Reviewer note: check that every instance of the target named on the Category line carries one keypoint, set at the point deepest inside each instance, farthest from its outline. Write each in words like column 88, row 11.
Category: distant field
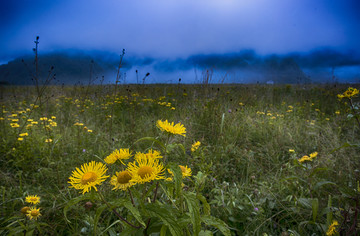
column 272, row 160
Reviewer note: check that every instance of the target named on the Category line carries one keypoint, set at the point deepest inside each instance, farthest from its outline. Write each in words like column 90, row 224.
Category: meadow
column 238, row 160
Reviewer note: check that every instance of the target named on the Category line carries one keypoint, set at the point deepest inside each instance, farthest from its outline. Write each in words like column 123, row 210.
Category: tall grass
column 252, row 137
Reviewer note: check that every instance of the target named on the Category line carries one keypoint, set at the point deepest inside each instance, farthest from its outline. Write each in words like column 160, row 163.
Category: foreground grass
column 251, row 140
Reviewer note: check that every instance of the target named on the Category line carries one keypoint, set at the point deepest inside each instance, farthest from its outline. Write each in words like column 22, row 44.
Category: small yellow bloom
column 305, row 158
column 332, row 228
column 291, row 150
column 337, row 112
column 171, row 128
column 24, row 210
column 33, row 213
column 313, row 155
column 23, row 134
column 33, row 199
column 89, row 130
column 195, row 146
column 20, row 139
column 122, row 180
column 14, row 125
column 121, row 154
column 48, row 140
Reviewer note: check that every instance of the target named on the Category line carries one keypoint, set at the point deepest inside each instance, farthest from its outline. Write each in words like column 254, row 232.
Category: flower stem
column 117, row 213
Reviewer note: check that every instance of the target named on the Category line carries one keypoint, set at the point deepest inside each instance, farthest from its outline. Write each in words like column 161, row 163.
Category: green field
column 246, row 177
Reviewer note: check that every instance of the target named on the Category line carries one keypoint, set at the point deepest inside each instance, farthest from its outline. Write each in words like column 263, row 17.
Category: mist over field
column 319, row 66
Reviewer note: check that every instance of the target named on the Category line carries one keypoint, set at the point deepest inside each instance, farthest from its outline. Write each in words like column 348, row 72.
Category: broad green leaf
column 99, row 210
column 206, row 206
column 315, row 208
column 321, row 183
column 128, row 205
column 167, row 215
column 177, row 178
column 163, row 230
column 74, row 201
column 194, row 209
column 215, row 222
column 205, row 233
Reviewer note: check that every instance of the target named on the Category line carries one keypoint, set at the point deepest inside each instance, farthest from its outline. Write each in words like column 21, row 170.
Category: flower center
column 34, row 199
column 88, row 178
column 34, row 213
column 144, row 171
column 123, row 177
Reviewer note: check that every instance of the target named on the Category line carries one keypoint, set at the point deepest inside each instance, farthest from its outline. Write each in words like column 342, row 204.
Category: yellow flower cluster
column 31, row 212
column 332, row 228
column 308, row 158
column 349, row 93
column 195, row 146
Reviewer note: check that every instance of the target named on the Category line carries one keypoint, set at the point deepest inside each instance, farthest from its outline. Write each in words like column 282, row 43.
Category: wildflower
column 195, row 146
column 121, row 180
column 308, row 158
column 186, row 171
column 120, row 155
column 305, row 158
column 150, row 154
column 20, row 139
column 313, row 155
column 33, row 199
column 24, row 210
column 291, row 150
column 349, row 93
column 88, row 176
column 173, row 108
column 48, row 140
column 78, row 124
column 23, row 134
column 171, row 128
column 14, row 125
column 332, row 228
column 89, row 130
column 241, row 104
column 33, row 213
column 337, row 112
column 145, row 170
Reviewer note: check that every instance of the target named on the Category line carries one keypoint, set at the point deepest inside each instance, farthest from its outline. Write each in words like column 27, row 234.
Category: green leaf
column 194, row 209
column 177, row 177
column 315, row 208
column 205, row 233
column 128, row 205
column 163, row 230
column 167, row 215
column 74, row 201
column 321, row 183
column 215, row 222
column 99, row 210
column 206, row 206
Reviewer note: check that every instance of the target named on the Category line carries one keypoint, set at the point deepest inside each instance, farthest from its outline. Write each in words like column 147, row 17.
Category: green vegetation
column 246, row 177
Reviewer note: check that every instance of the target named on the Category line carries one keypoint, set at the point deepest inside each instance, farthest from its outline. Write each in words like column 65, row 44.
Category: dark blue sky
column 172, row 28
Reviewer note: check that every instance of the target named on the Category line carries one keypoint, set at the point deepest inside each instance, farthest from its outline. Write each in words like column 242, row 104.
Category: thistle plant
column 148, row 192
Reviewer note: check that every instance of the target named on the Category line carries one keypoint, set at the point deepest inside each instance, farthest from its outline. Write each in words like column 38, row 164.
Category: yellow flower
column 337, row 112
column 195, row 146
column 78, row 124
column 33, row 213
column 145, row 169
column 171, row 128
column 90, row 175
column 23, row 134
column 48, row 140
column 349, row 93
column 186, row 171
column 332, row 228
column 291, row 150
column 313, row 155
column 121, row 180
column 305, row 158
column 120, row 155
column 308, row 158
column 20, row 139
column 152, row 154
column 14, row 125
column 24, row 210
column 33, row 199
